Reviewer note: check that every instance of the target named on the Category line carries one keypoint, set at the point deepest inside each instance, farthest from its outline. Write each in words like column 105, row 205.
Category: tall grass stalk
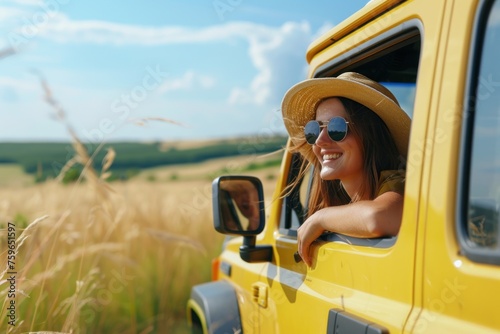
column 88, row 269
column 102, row 259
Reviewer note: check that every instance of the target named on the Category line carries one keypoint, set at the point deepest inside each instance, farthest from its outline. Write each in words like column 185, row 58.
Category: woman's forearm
column 363, row 219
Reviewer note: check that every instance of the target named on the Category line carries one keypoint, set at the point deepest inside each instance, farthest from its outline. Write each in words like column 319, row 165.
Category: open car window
column 393, row 61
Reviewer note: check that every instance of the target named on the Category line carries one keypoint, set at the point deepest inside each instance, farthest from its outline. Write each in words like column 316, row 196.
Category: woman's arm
column 363, row 219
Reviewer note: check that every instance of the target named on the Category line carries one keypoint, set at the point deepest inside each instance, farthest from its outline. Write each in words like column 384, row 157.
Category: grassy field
column 120, row 257
column 46, row 159
column 13, row 175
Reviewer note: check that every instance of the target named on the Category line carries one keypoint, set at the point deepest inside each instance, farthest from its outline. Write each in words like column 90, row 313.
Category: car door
column 355, row 284
column 460, row 280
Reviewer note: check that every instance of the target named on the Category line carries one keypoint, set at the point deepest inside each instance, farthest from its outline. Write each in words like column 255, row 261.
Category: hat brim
column 300, row 102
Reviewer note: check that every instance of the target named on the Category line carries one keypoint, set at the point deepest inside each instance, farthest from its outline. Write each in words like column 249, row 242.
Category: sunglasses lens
column 311, row 131
column 337, row 128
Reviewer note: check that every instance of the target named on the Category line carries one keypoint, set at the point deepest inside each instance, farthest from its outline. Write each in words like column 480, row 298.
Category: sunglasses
column 336, row 128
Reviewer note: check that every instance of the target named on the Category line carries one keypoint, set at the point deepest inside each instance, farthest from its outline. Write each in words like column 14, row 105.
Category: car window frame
column 397, row 38
column 472, row 251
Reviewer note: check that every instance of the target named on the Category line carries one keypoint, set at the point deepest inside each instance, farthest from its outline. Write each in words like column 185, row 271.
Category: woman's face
column 339, row 160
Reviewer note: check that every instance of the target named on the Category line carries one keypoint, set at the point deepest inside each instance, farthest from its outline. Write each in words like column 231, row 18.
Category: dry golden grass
column 13, row 175
column 122, row 261
column 92, row 257
column 123, row 265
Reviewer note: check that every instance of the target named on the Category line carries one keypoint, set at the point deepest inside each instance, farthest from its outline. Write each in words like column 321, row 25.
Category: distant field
column 45, row 160
column 14, row 175
column 264, row 166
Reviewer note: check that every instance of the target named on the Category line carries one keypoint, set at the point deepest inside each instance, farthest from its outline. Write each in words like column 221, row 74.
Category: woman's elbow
column 381, row 224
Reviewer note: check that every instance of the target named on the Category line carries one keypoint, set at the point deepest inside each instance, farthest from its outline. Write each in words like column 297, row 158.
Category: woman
column 355, row 134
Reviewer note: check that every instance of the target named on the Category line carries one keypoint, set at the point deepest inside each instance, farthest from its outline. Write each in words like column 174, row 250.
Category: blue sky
column 218, row 68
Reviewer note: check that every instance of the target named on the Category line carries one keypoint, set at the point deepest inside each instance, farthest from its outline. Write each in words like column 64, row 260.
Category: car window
column 481, row 156
column 404, row 93
column 396, row 68
column 294, row 208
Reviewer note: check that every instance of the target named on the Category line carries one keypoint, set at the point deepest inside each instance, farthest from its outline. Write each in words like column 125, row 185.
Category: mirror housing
column 238, row 205
column 238, row 209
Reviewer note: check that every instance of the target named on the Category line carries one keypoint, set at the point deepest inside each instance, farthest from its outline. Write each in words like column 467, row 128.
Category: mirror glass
column 240, row 209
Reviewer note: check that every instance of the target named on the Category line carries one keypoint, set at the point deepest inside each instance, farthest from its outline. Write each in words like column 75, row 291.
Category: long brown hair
column 379, row 153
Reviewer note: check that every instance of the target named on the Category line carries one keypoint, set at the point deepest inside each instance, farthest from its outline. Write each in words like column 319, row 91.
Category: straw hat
column 300, row 102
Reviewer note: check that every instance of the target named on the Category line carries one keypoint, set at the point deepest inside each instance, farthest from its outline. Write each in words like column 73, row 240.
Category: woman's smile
column 331, row 156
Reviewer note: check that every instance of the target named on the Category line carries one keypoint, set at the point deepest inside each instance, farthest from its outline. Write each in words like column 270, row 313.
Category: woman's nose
column 323, row 138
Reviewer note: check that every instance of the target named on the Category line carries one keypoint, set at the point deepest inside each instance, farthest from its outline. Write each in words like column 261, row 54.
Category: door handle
column 341, row 322
column 260, row 294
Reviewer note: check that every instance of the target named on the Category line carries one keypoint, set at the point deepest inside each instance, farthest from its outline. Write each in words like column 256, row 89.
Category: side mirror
column 238, row 209
column 238, row 205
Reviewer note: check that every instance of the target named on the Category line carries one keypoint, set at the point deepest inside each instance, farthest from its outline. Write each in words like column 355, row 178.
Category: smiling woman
column 352, row 130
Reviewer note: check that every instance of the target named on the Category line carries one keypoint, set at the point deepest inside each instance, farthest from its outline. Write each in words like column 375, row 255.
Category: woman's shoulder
column 391, row 180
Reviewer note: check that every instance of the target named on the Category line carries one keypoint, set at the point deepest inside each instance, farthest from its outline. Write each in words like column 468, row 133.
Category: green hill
column 47, row 159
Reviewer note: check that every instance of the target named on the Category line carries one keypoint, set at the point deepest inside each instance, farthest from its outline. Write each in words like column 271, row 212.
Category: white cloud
column 278, row 53
column 323, row 29
column 29, row 12
column 280, row 61
column 189, row 80
column 20, row 85
column 9, row 12
column 63, row 30
column 27, row 2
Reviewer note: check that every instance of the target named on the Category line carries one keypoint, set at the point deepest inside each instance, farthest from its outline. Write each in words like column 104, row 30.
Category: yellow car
column 441, row 274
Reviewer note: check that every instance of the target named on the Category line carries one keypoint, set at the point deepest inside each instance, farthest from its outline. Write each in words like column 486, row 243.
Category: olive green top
column 391, row 180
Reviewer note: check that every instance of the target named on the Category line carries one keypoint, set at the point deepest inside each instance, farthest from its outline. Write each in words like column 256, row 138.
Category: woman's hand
column 307, row 233
column 364, row 219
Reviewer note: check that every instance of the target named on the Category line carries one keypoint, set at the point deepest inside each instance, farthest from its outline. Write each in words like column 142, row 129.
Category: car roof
column 371, row 10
